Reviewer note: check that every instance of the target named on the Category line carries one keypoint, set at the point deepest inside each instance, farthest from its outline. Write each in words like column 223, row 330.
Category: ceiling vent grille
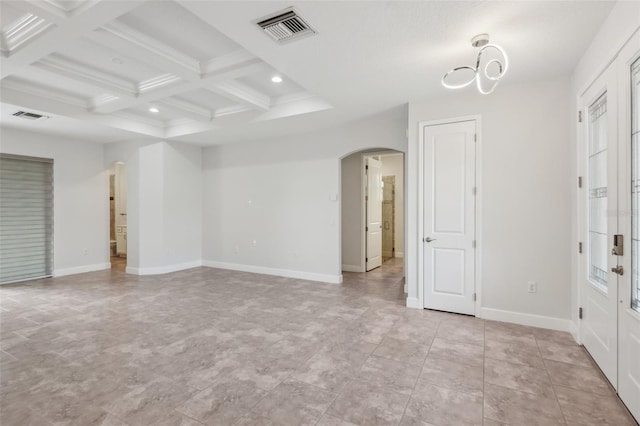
column 30, row 115
column 285, row 26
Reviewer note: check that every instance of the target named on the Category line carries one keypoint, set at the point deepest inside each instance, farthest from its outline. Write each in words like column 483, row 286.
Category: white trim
column 352, row 268
column 414, row 302
column 311, row 276
column 574, row 329
column 156, row 270
column 81, row 269
column 478, row 207
column 532, row 320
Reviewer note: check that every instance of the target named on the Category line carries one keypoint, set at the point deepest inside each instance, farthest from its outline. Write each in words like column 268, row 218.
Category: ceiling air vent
column 285, row 26
column 30, row 115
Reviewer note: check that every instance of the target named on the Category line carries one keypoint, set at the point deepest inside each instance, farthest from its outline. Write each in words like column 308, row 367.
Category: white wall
column 80, row 197
column 392, row 165
column 164, row 222
column 285, row 195
column 525, row 191
column 618, row 28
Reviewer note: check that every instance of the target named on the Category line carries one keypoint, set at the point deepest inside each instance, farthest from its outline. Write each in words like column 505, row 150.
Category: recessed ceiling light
column 154, row 110
column 276, row 79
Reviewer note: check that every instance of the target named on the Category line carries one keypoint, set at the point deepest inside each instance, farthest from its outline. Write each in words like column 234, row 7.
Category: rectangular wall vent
column 30, row 115
column 285, row 26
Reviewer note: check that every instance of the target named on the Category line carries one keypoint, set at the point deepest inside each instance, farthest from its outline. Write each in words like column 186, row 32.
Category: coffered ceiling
column 100, row 67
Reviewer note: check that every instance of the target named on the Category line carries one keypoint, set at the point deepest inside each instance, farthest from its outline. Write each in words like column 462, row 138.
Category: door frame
column 363, row 202
column 478, row 207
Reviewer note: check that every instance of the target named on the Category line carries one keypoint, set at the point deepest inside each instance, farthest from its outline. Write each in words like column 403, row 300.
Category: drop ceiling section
column 126, row 57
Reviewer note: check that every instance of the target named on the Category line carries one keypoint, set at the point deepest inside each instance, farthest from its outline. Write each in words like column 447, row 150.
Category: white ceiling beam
column 239, row 92
column 245, row 68
column 66, row 31
column 186, row 109
column 59, row 65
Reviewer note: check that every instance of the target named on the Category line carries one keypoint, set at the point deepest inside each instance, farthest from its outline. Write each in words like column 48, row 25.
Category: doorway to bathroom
column 118, row 216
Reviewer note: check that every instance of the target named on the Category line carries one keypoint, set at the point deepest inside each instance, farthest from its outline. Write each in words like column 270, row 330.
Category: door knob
column 617, row 270
column 428, row 239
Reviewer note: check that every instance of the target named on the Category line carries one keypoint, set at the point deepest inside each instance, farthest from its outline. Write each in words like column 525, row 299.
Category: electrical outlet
column 532, row 287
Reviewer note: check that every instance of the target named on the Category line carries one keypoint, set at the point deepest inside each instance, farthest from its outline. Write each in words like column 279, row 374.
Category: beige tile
column 544, row 336
column 453, row 375
column 440, row 406
column 564, row 353
column 327, row 372
column 589, row 409
column 402, row 351
column 328, row 420
column 515, row 407
column 588, row 379
column 464, row 332
column 514, row 352
column 397, row 376
column 462, row 353
column 518, row 377
column 509, row 332
column 292, row 402
column 367, row 404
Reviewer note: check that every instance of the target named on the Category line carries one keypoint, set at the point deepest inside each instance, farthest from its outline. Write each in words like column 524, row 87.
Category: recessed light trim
column 154, row 110
column 276, row 79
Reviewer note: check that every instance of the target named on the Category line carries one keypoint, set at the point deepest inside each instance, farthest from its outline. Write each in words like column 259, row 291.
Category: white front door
column 374, row 213
column 600, row 224
column 629, row 180
column 449, row 217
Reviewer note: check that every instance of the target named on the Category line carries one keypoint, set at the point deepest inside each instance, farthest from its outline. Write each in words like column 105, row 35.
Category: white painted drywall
column 351, row 215
column 392, row 165
column 285, row 195
column 526, row 187
column 620, row 25
column 164, row 183
column 80, row 197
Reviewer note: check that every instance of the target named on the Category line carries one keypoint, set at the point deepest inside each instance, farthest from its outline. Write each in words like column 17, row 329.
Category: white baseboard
column 575, row 332
column 398, row 254
column 352, row 268
column 157, row 270
column 311, row 276
column 413, row 302
column 81, row 269
column 532, row 320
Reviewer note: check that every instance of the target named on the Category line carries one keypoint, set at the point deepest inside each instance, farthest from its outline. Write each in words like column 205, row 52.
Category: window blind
column 26, row 218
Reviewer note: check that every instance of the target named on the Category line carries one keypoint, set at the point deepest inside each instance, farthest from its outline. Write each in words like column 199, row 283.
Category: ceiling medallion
column 491, row 65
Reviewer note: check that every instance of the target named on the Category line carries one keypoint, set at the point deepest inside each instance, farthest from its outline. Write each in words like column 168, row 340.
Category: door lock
column 617, row 270
column 618, row 244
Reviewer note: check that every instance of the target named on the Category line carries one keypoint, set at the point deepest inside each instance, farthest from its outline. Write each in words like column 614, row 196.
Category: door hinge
column 579, row 116
column 366, row 259
column 366, row 228
column 579, row 181
column 580, row 248
column 366, row 198
column 366, row 167
column 475, row 137
column 579, row 313
column 475, row 190
column 473, row 244
column 474, row 297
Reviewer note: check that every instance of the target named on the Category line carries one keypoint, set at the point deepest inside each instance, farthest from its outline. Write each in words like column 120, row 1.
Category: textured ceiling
column 208, row 68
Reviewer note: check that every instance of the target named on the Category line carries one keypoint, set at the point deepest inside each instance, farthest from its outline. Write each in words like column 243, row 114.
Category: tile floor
column 215, row 347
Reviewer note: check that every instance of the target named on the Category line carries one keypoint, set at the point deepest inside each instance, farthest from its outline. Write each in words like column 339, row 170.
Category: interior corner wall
column 614, row 33
column 164, row 187
column 351, row 213
column 284, row 195
column 525, row 190
column 80, row 197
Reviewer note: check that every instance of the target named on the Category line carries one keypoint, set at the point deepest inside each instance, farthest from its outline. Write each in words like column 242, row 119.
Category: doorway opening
column 118, row 216
column 373, row 231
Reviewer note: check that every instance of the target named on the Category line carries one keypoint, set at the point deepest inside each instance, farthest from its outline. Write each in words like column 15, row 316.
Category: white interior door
column 449, row 217
column 629, row 294
column 600, row 195
column 374, row 213
column 121, row 208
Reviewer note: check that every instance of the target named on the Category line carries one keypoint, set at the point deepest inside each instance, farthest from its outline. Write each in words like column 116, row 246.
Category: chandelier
column 491, row 65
